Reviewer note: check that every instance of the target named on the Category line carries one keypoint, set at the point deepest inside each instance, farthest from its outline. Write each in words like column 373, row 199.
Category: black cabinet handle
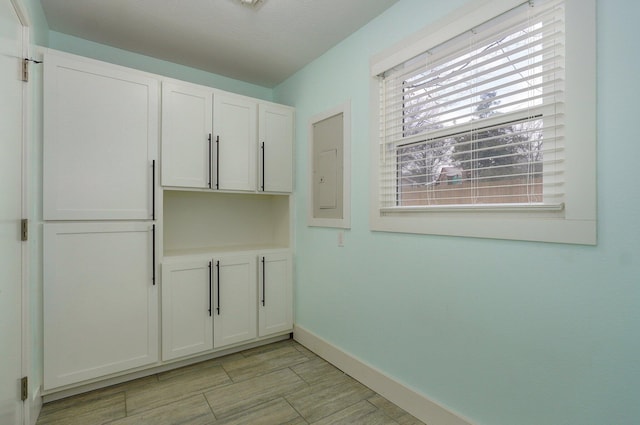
column 217, row 162
column 153, row 189
column 264, row 296
column 210, row 294
column 209, row 160
column 153, row 254
column 218, row 288
column 263, row 166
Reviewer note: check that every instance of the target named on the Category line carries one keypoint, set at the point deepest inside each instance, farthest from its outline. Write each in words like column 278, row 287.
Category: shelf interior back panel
column 202, row 220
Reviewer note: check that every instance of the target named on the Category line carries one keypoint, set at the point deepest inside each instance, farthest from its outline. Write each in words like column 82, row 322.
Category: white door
column 275, row 290
column 100, row 141
column 186, row 135
column 234, row 300
column 187, row 314
column 100, row 301
column 234, row 121
column 275, row 137
column 10, row 213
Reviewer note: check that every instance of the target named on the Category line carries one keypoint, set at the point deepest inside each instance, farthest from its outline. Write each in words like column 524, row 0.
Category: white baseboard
column 410, row 400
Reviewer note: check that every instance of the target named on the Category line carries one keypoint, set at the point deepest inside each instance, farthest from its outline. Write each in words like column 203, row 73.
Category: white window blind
column 478, row 121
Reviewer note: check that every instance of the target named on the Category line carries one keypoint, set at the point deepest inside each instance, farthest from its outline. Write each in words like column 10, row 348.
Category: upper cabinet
column 275, row 136
column 221, row 141
column 234, row 124
column 100, row 121
column 186, row 135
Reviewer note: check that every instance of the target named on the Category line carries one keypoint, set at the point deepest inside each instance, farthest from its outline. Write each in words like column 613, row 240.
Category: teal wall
column 39, row 33
column 501, row 332
column 116, row 56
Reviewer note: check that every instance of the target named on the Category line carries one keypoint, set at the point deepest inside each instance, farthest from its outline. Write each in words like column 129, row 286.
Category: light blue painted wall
column 116, row 56
column 501, row 332
column 39, row 33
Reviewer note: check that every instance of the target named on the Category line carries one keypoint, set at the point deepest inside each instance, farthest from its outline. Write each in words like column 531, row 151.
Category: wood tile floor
column 280, row 383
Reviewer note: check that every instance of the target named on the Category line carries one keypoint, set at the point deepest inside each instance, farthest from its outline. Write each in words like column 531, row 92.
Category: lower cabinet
column 234, row 298
column 276, row 295
column 187, row 323
column 101, row 306
column 100, row 301
column 211, row 302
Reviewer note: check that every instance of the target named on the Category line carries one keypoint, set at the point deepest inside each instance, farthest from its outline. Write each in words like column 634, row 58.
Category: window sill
column 474, row 208
column 523, row 225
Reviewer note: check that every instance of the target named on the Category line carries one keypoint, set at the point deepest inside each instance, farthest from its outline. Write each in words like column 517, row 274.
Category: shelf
column 169, row 255
column 208, row 222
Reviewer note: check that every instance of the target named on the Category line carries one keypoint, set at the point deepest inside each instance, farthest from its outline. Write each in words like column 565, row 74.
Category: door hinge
column 24, row 388
column 25, row 70
column 24, row 229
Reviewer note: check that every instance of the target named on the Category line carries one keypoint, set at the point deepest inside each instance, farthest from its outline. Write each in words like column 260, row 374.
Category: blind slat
column 420, row 79
column 443, row 91
column 479, row 119
column 461, row 48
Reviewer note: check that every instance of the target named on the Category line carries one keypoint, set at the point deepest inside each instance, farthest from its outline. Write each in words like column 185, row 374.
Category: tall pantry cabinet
column 100, row 150
column 167, row 210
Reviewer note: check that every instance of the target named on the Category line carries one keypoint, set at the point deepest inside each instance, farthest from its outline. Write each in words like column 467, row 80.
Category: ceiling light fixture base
column 251, row 3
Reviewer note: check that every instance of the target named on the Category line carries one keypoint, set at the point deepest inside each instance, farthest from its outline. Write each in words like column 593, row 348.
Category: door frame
column 23, row 17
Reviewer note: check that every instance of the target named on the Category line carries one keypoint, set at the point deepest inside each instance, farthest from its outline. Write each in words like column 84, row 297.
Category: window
column 475, row 136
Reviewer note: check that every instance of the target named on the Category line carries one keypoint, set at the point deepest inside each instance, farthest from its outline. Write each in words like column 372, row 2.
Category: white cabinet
column 186, row 135
column 100, row 138
column 221, row 141
column 187, row 316
column 234, row 122
column 100, row 304
column 100, row 301
column 211, row 301
column 275, row 136
column 275, row 293
column 234, row 299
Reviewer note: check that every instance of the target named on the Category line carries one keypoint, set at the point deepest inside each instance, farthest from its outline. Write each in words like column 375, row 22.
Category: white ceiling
column 262, row 45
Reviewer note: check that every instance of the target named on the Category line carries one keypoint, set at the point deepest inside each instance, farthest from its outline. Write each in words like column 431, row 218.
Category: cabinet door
column 234, row 300
column 186, row 135
column 187, row 322
column 235, row 154
column 275, row 137
column 100, row 138
column 100, row 302
column 275, row 293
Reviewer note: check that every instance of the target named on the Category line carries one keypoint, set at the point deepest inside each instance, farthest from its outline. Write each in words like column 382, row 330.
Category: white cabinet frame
column 275, row 139
column 187, row 314
column 100, row 140
column 101, row 303
column 275, row 291
column 187, row 115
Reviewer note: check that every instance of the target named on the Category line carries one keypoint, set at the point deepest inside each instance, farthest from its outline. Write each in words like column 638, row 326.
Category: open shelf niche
column 201, row 222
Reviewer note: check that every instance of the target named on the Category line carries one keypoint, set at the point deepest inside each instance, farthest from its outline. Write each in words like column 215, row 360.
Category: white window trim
column 576, row 222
